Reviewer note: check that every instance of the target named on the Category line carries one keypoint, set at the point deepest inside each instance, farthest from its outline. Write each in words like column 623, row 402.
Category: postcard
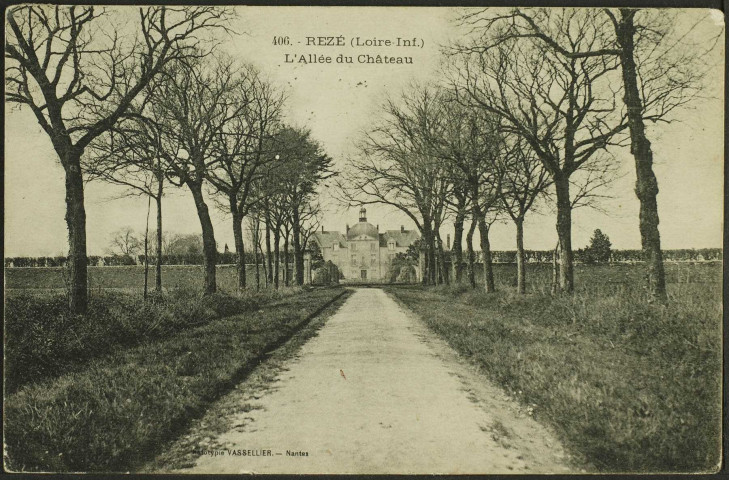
column 363, row 240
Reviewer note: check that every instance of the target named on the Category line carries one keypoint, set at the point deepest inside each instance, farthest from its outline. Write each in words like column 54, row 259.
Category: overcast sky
column 337, row 102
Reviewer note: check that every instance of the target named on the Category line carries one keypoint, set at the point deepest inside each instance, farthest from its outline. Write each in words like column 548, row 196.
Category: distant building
column 364, row 253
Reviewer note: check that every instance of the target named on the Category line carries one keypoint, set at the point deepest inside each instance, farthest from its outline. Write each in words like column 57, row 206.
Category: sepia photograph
column 363, row 240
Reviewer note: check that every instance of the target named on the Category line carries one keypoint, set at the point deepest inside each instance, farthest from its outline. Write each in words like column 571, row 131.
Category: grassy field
column 131, row 277
column 628, row 387
column 119, row 409
column 126, row 277
column 606, row 277
column 43, row 340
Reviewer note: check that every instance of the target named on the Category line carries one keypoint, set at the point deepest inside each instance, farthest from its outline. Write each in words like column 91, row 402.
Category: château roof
column 403, row 238
column 327, row 239
column 362, row 228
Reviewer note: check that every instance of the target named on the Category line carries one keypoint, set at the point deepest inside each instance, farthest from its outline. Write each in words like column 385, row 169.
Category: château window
column 336, row 246
column 372, row 247
column 354, row 246
column 354, row 259
column 391, row 244
column 373, row 260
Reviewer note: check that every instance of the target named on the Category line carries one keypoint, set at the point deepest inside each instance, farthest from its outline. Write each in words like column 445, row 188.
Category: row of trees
column 79, row 73
column 530, row 110
column 212, row 126
column 151, row 103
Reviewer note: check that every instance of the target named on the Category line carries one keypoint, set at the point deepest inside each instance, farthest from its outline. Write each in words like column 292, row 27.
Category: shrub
column 402, row 268
column 407, row 274
column 328, row 274
column 321, row 276
column 393, row 272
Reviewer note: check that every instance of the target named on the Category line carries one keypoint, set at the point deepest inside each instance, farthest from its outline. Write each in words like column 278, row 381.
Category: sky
column 337, row 102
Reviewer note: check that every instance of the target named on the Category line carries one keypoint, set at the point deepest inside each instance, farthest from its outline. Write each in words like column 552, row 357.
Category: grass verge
column 122, row 407
column 629, row 387
column 43, row 340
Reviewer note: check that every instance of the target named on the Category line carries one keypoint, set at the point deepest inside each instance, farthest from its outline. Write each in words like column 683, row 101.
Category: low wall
column 131, row 277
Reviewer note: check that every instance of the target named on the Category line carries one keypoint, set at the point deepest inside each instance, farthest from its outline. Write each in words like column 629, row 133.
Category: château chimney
column 402, row 228
column 347, row 228
column 322, row 229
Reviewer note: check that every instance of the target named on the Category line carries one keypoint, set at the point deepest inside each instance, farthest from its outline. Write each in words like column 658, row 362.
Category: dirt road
column 376, row 392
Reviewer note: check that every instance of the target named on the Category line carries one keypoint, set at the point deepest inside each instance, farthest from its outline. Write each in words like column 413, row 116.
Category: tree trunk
column 269, row 275
column 256, row 246
column 430, row 260
column 263, row 263
column 277, row 255
column 146, row 249
column 426, row 252
column 471, row 255
column 287, row 275
column 646, row 187
column 210, row 251
column 158, row 267
column 433, row 260
column 258, row 271
column 555, row 270
column 240, row 253
column 432, row 264
column 488, row 271
column 425, row 274
column 298, row 251
column 520, row 267
column 76, row 223
column 441, row 258
column 564, row 233
column 457, row 250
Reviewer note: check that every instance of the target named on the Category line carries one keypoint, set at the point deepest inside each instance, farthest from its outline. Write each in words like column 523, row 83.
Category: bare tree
column 265, row 211
column 183, row 244
column 128, row 155
column 262, row 211
column 305, row 166
column 286, row 227
column 469, row 144
column 288, row 191
column 125, row 242
column 660, row 74
column 398, row 167
column 565, row 109
column 522, row 179
column 74, row 70
column 310, row 222
column 241, row 150
column 471, row 254
column 460, row 206
column 254, row 222
column 444, row 188
column 275, row 213
column 192, row 106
